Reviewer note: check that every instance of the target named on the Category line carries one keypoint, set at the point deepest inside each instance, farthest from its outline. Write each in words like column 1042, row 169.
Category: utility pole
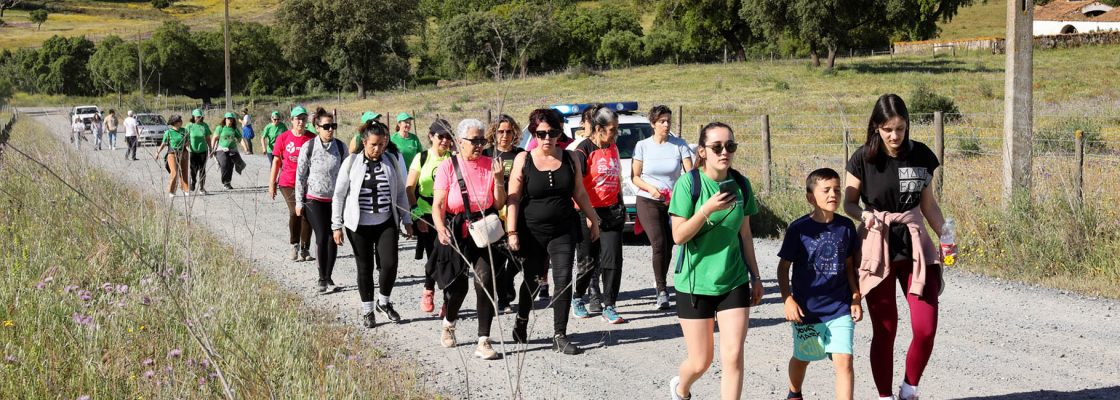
column 140, row 62
column 1018, row 98
column 229, row 90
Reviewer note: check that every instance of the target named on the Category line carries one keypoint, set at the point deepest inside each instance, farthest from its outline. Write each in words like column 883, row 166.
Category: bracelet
column 512, row 233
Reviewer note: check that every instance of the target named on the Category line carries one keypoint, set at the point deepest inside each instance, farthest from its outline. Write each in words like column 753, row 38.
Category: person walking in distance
column 247, row 133
column 658, row 161
column 224, row 142
column 97, row 129
column 316, row 172
column 467, row 188
column 891, row 175
column 717, row 272
column 272, row 131
column 77, row 128
column 421, row 180
column 544, row 183
column 370, row 205
column 283, row 175
column 131, row 136
column 407, row 143
column 175, row 141
column 111, row 122
column 198, row 145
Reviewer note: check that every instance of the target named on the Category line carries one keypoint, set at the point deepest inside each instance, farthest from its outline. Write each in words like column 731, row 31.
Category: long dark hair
column 704, row 139
column 888, row 106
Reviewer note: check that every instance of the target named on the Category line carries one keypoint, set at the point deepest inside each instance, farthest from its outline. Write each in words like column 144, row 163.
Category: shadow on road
column 1098, row 393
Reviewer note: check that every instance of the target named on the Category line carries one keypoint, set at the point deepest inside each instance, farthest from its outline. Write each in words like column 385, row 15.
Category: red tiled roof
column 1070, row 10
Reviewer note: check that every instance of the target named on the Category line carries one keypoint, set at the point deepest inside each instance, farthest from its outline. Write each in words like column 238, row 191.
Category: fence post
column 767, row 177
column 1078, row 173
column 680, row 121
column 489, row 116
column 939, row 149
column 847, row 138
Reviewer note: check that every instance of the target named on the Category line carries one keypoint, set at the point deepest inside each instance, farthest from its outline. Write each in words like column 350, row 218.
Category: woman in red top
column 285, row 157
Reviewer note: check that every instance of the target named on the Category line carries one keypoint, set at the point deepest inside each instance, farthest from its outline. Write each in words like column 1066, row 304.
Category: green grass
column 977, row 20
column 97, row 19
column 100, row 290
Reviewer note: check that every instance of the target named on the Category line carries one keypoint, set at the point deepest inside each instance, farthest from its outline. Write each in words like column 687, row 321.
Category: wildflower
column 174, row 353
column 107, row 287
column 183, row 276
column 9, row 323
column 147, row 361
column 85, row 295
column 69, row 288
column 10, row 359
column 201, row 381
column 80, row 319
column 122, row 288
column 40, row 285
column 149, row 374
column 48, row 279
column 83, row 397
column 146, row 300
column 205, row 363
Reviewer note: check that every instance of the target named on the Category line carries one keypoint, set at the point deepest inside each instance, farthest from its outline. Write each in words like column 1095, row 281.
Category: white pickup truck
column 85, row 113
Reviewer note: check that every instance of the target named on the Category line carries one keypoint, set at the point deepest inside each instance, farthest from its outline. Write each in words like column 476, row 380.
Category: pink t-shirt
column 479, row 175
column 287, row 148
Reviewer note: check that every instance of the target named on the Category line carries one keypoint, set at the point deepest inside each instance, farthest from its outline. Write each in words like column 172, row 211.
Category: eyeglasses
column 719, row 147
column 330, row 127
column 476, row 142
column 551, row 134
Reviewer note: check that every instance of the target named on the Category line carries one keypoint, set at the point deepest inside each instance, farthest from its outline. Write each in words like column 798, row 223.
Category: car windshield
column 86, row 110
column 628, row 137
column 150, row 119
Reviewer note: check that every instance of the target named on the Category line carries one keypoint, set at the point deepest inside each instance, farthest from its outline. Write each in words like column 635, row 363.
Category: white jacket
column 345, row 211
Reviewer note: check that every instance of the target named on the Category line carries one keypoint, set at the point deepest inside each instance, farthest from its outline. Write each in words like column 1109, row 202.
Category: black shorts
column 698, row 306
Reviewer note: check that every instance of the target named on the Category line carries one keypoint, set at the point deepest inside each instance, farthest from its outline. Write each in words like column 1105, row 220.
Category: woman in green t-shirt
column 175, row 141
column 270, row 133
column 714, row 276
column 226, row 138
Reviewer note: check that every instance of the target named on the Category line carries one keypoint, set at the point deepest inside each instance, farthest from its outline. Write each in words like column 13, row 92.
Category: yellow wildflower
column 9, row 323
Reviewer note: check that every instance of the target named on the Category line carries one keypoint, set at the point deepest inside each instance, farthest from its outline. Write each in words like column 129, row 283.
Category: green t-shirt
column 712, row 264
column 427, row 181
column 227, row 137
column 409, row 147
column 271, row 132
column 174, row 138
column 198, row 136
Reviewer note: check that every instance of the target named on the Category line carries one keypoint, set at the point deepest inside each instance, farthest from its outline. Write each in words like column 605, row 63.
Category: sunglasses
column 330, row 127
column 551, row 134
column 444, row 137
column 719, row 147
column 477, row 142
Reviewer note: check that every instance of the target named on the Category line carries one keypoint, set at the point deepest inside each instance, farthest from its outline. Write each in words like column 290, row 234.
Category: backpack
column 416, row 190
column 336, row 142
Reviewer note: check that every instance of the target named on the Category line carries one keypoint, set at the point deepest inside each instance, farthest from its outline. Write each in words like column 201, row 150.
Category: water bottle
column 949, row 242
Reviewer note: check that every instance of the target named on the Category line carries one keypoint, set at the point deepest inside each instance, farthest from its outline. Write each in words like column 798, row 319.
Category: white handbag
column 490, row 228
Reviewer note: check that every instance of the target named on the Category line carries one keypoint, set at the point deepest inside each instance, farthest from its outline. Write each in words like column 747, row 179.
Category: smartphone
column 730, row 187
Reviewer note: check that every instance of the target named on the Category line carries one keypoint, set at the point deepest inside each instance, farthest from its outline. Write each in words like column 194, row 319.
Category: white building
column 1075, row 16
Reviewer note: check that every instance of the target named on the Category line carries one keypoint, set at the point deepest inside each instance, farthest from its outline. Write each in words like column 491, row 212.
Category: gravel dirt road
column 996, row 339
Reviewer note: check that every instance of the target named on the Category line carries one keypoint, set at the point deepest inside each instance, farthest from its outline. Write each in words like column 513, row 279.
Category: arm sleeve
column 278, row 146
column 341, row 189
column 790, row 241
column 443, row 177
column 855, row 163
column 750, row 204
column 639, row 151
column 303, row 168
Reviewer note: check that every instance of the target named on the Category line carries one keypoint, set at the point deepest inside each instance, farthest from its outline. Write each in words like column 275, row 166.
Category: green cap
column 230, row 115
column 276, row 114
column 298, row 110
column 196, row 112
column 368, row 116
column 403, row 117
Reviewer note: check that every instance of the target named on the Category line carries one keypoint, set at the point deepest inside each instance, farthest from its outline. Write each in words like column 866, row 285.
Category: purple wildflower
column 183, row 276
column 145, row 300
column 174, row 353
column 82, row 319
column 107, row 287
column 201, row 381
column 85, row 295
column 149, row 374
column 122, row 288
column 40, row 285
column 10, row 359
column 148, row 361
column 69, row 288
column 205, row 363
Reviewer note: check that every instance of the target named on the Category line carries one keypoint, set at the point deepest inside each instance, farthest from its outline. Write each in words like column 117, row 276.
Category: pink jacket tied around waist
column 875, row 262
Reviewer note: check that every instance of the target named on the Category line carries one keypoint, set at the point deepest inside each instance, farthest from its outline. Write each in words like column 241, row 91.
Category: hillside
column 96, row 19
column 978, row 20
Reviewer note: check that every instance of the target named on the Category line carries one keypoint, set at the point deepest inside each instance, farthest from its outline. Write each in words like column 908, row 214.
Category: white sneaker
column 673, row 383
column 907, row 392
column 447, row 336
column 484, row 350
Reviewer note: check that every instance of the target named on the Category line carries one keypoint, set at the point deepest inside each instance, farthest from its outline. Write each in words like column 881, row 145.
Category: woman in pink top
column 487, row 193
column 284, row 161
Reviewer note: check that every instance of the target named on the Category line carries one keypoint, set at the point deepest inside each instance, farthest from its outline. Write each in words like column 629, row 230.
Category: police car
column 632, row 128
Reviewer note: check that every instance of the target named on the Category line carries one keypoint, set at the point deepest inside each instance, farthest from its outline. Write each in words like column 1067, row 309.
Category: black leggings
column 425, row 244
column 507, row 268
column 198, row 170
column 318, row 213
column 378, row 241
column 600, row 257
column 299, row 229
column 455, row 293
column 225, row 165
column 655, row 220
column 539, row 254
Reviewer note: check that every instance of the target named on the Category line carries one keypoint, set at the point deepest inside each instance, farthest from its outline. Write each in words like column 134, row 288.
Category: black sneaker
column 369, row 319
column 543, row 295
column 561, row 344
column 519, row 331
column 322, row 287
column 389, row 312
column 595, row 303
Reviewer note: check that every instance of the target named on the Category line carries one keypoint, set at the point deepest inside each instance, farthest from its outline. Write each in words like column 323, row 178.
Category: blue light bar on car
column 576, row 109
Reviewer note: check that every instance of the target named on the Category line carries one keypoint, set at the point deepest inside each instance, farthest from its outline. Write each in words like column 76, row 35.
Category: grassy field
column 809, row 111
column 97, row 19
column 108, row 294
column 977, row 20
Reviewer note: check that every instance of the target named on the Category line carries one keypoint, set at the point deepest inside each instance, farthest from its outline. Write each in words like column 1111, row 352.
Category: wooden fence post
column 1078, row 173
column 680, row 121
column 767, row 174
column 939, row 149
column 847, row 138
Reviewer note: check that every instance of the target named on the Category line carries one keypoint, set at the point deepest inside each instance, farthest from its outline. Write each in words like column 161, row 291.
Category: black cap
column 440, row 127
column 174, row 118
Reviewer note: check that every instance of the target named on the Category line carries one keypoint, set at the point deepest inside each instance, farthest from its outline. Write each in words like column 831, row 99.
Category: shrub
column 970, row 146
column 923, row 102
column 1060, row 139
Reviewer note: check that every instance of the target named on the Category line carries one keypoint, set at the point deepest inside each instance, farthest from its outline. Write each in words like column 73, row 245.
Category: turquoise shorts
column 814, row 342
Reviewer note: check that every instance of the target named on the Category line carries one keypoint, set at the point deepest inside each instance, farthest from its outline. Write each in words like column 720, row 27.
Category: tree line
column 362, row 45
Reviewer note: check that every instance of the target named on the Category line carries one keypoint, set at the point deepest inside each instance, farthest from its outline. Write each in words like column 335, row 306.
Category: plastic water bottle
column 949, row 242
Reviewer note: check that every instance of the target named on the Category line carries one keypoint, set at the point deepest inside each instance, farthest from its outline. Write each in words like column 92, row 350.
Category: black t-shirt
column 895, row 184
column 506, row 158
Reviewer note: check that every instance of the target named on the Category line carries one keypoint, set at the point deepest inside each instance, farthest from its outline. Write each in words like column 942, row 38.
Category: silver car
column 152, row 127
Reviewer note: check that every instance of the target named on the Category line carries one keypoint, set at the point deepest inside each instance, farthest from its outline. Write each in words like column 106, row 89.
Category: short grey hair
column 466, row 125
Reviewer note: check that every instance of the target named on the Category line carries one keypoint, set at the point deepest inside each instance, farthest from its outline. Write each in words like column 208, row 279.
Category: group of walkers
column 102, row 128
column 484, row 210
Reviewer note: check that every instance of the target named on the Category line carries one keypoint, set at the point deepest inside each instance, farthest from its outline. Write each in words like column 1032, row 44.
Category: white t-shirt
column 247, row 120
column 131, row 127
column 78, row 127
